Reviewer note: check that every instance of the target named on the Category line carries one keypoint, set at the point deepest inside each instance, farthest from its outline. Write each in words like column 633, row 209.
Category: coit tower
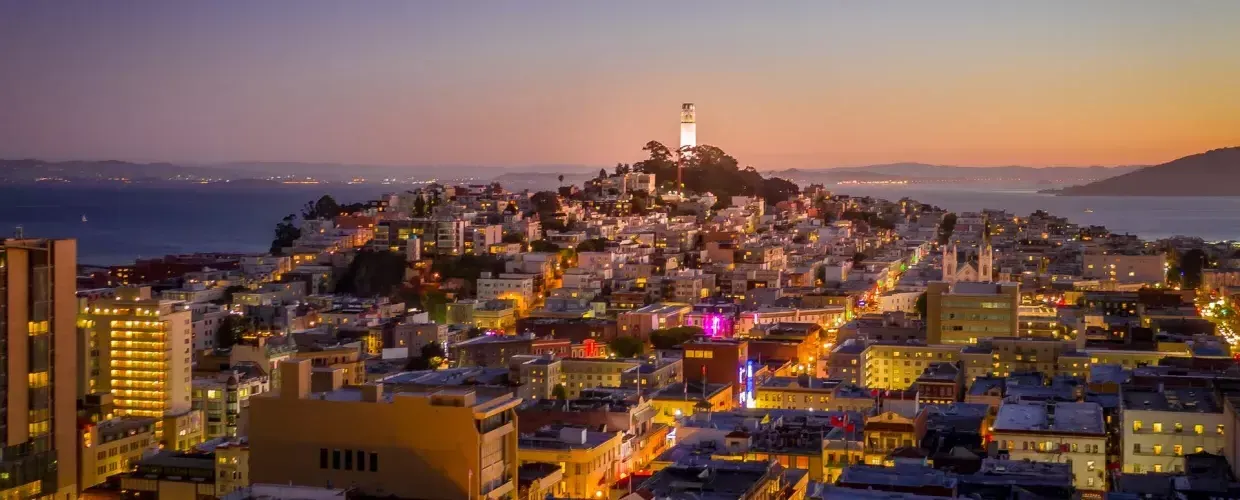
column 688, row 125
column 688, row 139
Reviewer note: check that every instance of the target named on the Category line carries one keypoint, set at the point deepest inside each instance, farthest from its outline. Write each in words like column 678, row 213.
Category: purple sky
column 778, row 84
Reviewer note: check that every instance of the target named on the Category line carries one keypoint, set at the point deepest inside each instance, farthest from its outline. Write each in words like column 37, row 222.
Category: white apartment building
column 1125, row 268
column 144, row 352
column 519, row 290
column 1058, row 433
column 1160, row 427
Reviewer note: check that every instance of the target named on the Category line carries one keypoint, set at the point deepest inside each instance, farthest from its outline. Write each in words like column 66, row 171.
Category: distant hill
column 921, row 172
column 1213, row 173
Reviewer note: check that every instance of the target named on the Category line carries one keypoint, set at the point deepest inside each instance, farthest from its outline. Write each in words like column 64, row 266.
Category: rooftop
column 1189, row 400
column 1065, row 418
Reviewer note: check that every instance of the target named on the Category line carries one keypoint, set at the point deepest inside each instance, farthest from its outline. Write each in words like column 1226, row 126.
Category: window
column 1179, row 427
column 322, row 458
column 374, row 462
column 1199, row 449
column 336, row 459
column 1136, row 426
column 348, row 459
column 1090, row 465
column 1136, row 448
column 1199, row 429
column 1158, row 450
column 1157, row 426
column 1220, row 429
column 1178, row 450
column 1157, row 467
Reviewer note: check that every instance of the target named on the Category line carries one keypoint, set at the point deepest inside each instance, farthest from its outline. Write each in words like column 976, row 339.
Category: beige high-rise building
column 436, row 445
column 144, row 352
column 966, row 312
column 38, row 412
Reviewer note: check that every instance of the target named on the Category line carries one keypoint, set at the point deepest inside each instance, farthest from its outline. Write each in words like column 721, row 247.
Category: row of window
column 1198, row 429
column 343, row 460
column 1177, row 450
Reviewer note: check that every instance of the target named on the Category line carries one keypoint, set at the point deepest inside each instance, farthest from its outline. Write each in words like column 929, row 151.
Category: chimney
column 573, row 435
column 295, row 379
column 372, row 393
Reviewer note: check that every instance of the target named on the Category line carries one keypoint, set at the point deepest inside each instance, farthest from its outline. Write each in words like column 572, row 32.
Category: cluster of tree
column 373, row 273
column 228, row 295
column 543, row 246
column 1185, row 269
column 947, row 227
column 870, row 218
column 708, row 169
column 626, row 347
column 430, row 357
column 326, row 207
column 467, row 267
column 667, row 338
column 233, row 328
column 287, row 232
column 423, row 208
column 593, row 245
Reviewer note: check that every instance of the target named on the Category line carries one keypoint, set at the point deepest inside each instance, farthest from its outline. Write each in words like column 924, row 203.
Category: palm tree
column 561, row 177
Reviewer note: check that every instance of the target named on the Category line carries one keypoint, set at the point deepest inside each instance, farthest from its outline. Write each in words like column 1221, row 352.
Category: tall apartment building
column 38, row 412
column 1125, row 268
column 1071, row 433
column 896, row 365
column 433, row 445
column 1160, row 427
column 966, row 312
column 144, row 352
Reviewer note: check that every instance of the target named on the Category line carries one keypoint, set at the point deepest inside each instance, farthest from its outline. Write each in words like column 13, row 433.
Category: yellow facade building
column 587, row 458
column 896, row 365
column 112, row 446
column 144, row 352
column 966, row 312
column 432, row 445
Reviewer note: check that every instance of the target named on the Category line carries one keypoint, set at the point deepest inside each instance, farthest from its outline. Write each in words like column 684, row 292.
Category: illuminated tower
column 688, row 137
column 688, row 125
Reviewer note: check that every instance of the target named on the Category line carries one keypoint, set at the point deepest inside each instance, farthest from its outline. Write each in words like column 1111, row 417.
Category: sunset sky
column 818, row 83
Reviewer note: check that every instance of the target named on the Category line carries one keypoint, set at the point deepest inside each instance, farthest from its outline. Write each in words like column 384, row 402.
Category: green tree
column 626, row 347
column 419, row 207
column 668, row 338
column 287, row 232
column 228, row 294
column 922, row 304
column 592, row 245
column 560, row 393
column 430, row 357
column 947, row 227
column 858, row 258
column 545, row 203
column 373, row 273
column 543, row 246
column 325, row 208
column 1191, row 264
column 513, row 238
column 232, row 330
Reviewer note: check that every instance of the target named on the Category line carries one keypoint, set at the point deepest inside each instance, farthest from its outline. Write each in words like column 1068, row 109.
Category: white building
column 1058, row 433
column 1161, row 426
column 1125, row 268
column 519, row 289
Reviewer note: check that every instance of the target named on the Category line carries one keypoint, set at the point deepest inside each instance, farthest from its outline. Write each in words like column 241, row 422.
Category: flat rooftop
column 1188, row 400
column 1066, row 418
